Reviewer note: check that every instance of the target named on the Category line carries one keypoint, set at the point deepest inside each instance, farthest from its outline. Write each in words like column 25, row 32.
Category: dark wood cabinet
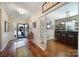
column 63, row 37
column 66, row 31
column 72, row 39
column 68, row 38
column 57, row 35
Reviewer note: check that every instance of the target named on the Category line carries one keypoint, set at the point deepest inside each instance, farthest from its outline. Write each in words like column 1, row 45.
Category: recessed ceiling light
column 62, row 22
column 21, row 11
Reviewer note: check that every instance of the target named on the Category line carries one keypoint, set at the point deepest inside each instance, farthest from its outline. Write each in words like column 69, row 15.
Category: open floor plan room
column 39, row 29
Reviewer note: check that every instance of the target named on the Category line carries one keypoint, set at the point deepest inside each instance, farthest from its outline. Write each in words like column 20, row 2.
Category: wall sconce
column 49, row 25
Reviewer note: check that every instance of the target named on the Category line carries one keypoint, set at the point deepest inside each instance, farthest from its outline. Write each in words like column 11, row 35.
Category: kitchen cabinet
column 63, row 36
column 57, row 35
column 66, row 31
column 68, row 38
column 72, row 39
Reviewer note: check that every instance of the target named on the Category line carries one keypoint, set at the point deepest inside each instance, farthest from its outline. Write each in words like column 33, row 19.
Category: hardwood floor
column 58, row 49
column 54, row 49
column 9, row 51
column 36, row 51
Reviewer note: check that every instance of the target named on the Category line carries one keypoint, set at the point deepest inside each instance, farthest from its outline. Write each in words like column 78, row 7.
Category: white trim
column 39, row 45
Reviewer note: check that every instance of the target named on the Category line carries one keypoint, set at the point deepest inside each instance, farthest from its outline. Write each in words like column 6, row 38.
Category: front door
column 22, row 31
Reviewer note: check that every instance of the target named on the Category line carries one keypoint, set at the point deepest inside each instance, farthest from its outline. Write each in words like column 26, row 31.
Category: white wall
column 4, row 35
column 36, row 31
column 50, row 32
column 52, row 16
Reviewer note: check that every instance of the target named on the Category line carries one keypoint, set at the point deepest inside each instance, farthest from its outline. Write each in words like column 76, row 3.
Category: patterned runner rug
column 23, row 52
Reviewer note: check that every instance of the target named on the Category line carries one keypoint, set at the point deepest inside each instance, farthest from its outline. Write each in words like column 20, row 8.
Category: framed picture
column 48, row 5
column 34, row 24
column 6, row 29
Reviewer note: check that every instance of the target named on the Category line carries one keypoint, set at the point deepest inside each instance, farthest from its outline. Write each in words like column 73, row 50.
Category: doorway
column 22, row 30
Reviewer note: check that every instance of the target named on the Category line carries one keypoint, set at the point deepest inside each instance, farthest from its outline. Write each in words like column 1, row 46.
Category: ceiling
column 60, row 13
column 29, row 7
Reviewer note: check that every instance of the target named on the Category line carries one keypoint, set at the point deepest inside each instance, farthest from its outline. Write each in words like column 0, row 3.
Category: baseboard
column 38, row 45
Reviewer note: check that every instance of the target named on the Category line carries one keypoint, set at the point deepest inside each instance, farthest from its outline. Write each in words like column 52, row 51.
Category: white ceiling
column 30, row 7
column 61, row 12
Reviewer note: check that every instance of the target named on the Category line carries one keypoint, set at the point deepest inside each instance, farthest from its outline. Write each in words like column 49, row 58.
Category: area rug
column 23, row 52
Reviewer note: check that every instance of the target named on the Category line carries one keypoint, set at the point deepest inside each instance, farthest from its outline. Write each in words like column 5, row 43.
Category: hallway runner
column 23, row 52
